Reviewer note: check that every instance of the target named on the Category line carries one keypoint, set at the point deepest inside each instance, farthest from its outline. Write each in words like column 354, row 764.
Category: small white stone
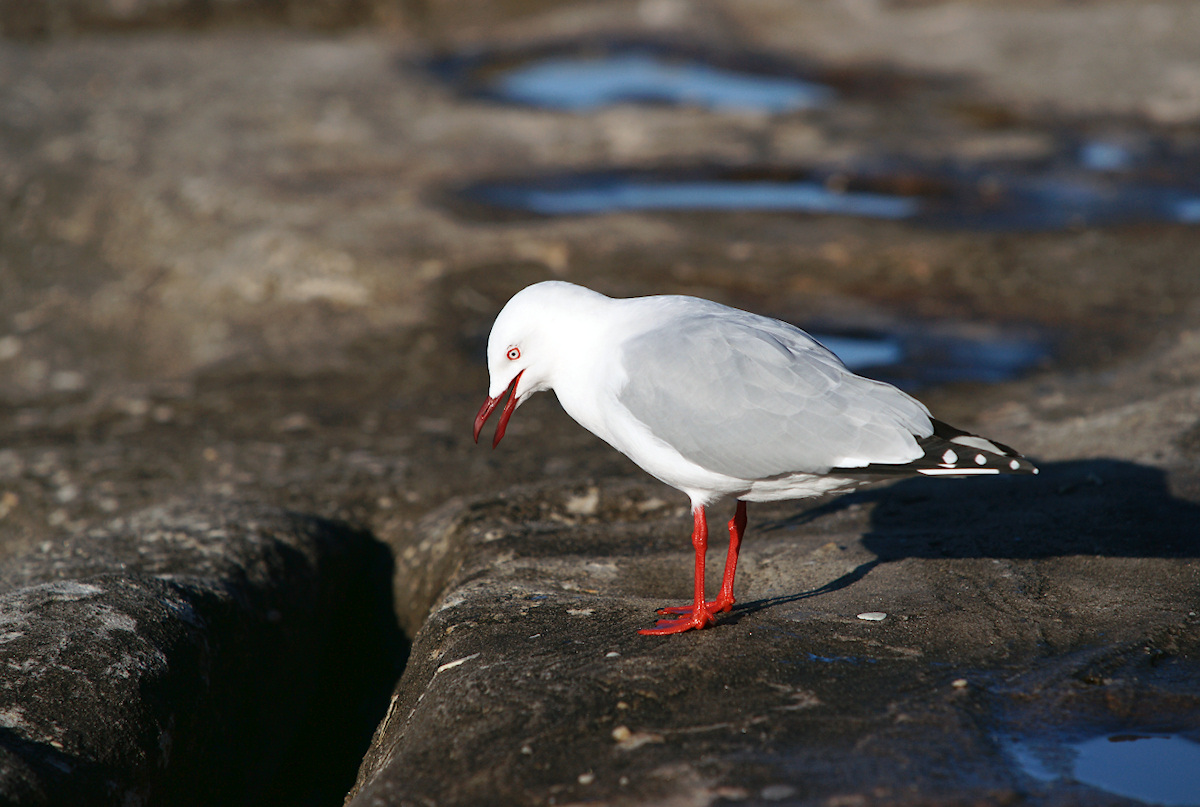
column 10, row 347
column 949, row 458
column 587, row 778
column 959, row 683
column 777, row 792
column 67, row 381
column 873, row 616
column 585, row 505
column 295, row 422
column 612, row 654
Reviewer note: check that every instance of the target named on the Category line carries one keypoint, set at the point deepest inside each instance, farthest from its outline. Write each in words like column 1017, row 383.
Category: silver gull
column 718, row 402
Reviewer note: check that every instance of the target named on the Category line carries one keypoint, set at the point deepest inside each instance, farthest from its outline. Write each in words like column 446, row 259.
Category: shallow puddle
column 1089, row 180
column 590, row 195
column 582, row 83
column 864, row 352
column 918, row 355
column 585, row 76
column 1009, row 198
column 1152, row 768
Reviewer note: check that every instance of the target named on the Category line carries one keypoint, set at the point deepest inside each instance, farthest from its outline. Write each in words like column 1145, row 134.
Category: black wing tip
column 952, row 452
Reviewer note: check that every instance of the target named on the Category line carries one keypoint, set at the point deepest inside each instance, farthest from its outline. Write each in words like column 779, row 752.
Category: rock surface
column 235, row 267
column 189, row 655
column 1042, row 607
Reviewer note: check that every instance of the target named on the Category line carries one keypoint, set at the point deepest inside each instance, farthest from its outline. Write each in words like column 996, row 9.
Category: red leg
column 697, row 614
column 737, row 528
column 724, row 600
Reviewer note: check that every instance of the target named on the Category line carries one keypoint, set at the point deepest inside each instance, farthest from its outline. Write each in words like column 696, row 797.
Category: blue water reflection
column 1014, row 202
column 1188, row 211
column 1098, row 155
column 915, row 356
column 1153, row 768
column 863, row 352
column 591, row 196
column 581, row 84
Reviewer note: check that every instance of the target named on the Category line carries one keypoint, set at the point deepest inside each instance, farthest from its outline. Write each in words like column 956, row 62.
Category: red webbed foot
column 689, row 621
column 702, row 613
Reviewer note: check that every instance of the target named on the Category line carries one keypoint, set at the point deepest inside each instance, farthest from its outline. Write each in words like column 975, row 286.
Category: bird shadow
column 849, row 578
column 1099, row 507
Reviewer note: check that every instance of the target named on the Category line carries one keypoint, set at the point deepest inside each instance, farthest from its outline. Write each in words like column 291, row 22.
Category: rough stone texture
column 233, row 264
column 1063, row 603
column 55, row 18
column 190, row 655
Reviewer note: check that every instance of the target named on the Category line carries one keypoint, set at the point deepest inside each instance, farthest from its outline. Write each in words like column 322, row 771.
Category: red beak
column 490, row 405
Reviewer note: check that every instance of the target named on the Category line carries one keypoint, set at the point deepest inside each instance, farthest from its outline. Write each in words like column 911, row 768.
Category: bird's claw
column 690, row 619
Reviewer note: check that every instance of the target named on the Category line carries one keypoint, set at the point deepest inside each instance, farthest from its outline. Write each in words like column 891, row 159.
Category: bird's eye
column 513, row 354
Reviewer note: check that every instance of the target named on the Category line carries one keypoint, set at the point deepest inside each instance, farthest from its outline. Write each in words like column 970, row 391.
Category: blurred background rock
column 244, row 256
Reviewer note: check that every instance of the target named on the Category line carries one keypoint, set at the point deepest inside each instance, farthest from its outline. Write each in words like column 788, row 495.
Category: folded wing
column 755, row 398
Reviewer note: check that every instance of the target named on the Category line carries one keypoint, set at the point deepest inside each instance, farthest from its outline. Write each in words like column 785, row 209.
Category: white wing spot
column 1014, row 465
column 957, row 471
column 980, row 459
column 949, row 458
column 975, row 441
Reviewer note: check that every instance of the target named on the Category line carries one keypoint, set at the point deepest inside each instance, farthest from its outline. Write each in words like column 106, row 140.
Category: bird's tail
column 954, row 452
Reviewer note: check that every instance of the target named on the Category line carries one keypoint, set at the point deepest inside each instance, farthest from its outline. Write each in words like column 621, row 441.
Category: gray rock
column 234, row 263
column 193, row 654
column 529, row 684
column 43, row 18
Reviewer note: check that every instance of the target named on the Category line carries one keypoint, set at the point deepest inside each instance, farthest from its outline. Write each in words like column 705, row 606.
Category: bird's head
column 523, row 348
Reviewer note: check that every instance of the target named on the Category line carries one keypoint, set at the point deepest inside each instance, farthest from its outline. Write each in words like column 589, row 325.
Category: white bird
column 718, row 402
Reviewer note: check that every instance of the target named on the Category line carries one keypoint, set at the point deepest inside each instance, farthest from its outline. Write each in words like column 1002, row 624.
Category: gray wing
column 754, row 397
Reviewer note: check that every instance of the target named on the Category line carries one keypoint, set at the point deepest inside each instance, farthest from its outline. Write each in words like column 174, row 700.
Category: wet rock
column 1056, row 606
column 43, row 18
column 199, row 653
column 230, row 265
column 529, row 684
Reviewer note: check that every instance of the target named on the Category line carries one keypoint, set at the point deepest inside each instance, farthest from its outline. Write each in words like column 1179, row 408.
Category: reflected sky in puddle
column 580, row 83
column 863, row 352
column 599, row 195
column 1108, row 177
column 992, row 201
column 924, row 354
column 1188, row 211
column 1152, row 768
column 1099, row 155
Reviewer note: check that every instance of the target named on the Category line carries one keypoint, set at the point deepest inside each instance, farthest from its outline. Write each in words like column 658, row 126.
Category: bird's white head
column 527, row 342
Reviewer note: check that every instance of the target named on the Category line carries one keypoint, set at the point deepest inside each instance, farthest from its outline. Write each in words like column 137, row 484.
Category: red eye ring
column 513, row 354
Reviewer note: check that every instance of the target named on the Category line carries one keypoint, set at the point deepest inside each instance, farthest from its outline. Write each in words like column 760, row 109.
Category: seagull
column 718, row 402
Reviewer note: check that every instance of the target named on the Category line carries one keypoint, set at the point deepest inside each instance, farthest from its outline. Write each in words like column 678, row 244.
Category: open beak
column 490, row 405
